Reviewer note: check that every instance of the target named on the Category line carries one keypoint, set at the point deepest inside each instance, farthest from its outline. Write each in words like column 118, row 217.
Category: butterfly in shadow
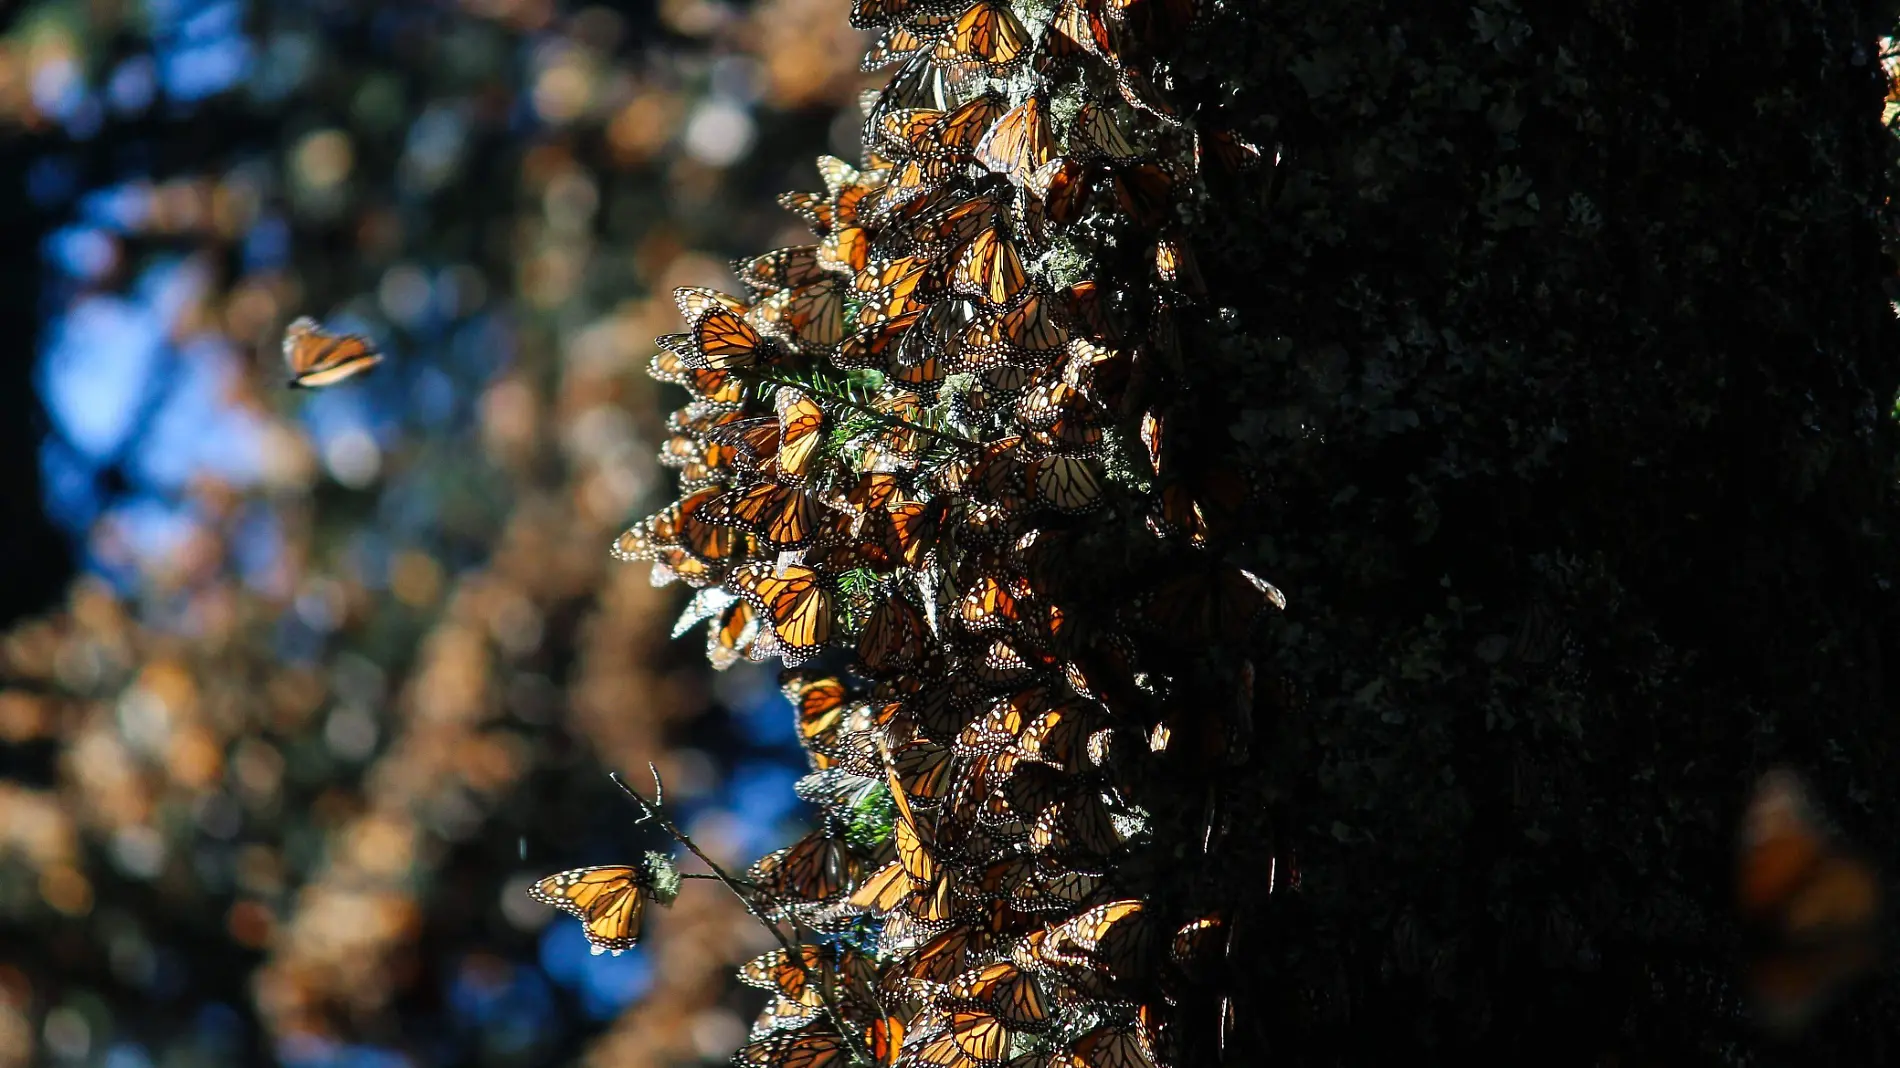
column 1810, row 906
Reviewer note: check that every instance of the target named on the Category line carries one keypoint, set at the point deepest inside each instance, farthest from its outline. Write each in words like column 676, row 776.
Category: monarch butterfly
column 795, row 1049
column 1095, row 135
column 893, row 636
column 1175, row 267
column 1227, row 149
column 815, row 869
column 1078, row 28
column 1198, row 942
column 1146, row 192
column 876, row 345
column 821, row 705
column 930, row 133
column 801, row 422
column 1100, row 950
column 991, row 269
column 805, row 977
column 719, row 388
column 1110, row 1047
column 845, row 250
column 779, row 269
column 1057, row 735
column 1019, row 143
column 895, row 289
column 869, row 14
column 794, row 601
column 1060, row 417
column 893, row 46
column 318, row 359
column 607, row 899
column 988, row 37
column 884, row 1038
column 1056, row 194
column 1209, row 603
column 812, row 314
column 1004, row 988
column 722, row 340
column 783, row 518
column 1079, row 823
column 1809, row 905
column 733, row 635
column 852, row 191
column 690, row 523
column 1069, row 485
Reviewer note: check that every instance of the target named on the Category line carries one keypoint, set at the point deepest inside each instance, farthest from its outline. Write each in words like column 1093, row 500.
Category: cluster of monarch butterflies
column 939, row 462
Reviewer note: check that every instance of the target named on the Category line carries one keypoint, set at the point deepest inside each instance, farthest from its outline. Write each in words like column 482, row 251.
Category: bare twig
column 750, row 895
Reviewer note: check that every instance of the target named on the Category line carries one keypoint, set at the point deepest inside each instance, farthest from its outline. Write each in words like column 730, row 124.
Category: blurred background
column 299, row 691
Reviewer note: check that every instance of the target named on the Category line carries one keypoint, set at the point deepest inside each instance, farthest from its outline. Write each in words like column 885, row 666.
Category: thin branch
column 886, row 418
column 749, row 895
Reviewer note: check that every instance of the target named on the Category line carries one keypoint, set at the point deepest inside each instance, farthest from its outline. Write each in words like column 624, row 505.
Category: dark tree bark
column 1567, row 357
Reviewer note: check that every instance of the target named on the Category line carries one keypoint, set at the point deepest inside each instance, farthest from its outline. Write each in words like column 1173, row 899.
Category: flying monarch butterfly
column 988, row 37
column 607, row 899
column 991, row 269
column 1810, row 906
column 794, row 600
column 317, row 359
column 1019, row 143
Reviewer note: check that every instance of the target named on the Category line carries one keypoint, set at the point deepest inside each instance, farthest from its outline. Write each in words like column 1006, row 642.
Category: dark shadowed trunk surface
column 1565, row 353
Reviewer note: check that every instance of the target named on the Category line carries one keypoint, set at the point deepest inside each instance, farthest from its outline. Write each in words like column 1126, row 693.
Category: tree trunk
column 1564, row 350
